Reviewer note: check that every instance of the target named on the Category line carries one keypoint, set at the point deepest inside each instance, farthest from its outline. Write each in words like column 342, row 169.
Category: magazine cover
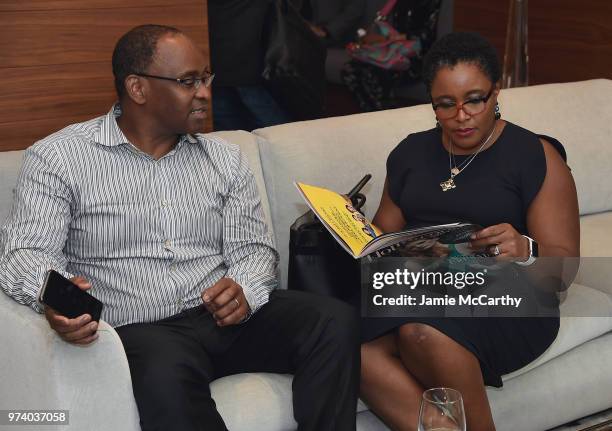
column 359, row 237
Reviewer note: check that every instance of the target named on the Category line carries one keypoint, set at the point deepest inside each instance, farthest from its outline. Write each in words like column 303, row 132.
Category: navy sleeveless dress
column 497, row 187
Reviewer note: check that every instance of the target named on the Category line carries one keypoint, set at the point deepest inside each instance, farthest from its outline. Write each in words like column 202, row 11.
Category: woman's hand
column 502, row 241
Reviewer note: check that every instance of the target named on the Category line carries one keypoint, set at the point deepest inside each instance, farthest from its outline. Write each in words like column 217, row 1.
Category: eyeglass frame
column 459, row 106
column 197, row 81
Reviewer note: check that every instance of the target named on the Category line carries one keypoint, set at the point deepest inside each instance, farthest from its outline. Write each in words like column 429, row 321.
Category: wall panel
column 27, row 5
column 55, row 58
column 568, row 40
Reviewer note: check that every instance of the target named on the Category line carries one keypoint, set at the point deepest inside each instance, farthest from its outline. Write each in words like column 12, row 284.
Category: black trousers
column 315, row 338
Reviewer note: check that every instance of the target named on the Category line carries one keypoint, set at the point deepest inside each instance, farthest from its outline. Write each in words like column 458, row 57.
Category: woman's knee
column 417, row 334
column 424, row 344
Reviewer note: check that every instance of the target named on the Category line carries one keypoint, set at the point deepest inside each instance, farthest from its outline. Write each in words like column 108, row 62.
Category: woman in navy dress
column 476, row 167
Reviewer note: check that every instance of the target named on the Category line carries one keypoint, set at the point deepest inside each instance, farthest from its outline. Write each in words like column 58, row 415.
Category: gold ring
column 237, row 303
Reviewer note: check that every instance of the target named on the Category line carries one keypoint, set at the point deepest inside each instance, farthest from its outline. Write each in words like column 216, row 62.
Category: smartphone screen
column 67, row 298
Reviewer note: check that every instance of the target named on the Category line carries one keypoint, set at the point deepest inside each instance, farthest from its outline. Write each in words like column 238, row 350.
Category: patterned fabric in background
column 372, row 86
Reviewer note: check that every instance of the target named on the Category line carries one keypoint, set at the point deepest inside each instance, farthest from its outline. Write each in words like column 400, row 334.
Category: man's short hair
column 135, row 50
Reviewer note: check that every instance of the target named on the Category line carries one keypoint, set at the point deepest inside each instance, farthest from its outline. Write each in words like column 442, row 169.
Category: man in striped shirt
column 165, row 227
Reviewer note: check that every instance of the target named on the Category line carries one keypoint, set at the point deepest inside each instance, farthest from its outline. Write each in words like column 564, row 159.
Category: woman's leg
column 386, row 386
column 436, row 360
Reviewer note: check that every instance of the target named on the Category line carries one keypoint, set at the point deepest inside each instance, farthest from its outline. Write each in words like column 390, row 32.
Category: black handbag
column 294, row 63
column 317, row 263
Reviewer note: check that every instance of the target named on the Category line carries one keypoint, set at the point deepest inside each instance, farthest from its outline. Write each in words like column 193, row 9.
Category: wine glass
column 441, row 410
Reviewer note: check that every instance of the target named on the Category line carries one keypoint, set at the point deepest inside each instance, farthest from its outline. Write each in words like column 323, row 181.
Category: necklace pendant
column 448, row 184
column 454, row 171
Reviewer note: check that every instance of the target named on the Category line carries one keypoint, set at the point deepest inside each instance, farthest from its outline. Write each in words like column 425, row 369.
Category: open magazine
column 359, row 237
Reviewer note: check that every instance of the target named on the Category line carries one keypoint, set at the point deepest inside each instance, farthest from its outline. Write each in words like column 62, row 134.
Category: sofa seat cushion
column 242, row 398
column 573, row 385
column 586, row 313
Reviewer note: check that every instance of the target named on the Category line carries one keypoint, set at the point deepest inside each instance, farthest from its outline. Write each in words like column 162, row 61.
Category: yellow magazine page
column 338, row 215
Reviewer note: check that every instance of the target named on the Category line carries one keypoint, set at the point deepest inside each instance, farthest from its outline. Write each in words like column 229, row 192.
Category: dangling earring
column 497, row 113
column 438, row 126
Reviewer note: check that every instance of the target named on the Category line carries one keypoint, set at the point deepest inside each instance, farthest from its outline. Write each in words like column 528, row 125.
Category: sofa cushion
column 586, row 314
column 573, row 385
column 595, row 235
column 596, row 252
column 242, row 398
column 10, row 164
column 333, row 153
column 577, row 114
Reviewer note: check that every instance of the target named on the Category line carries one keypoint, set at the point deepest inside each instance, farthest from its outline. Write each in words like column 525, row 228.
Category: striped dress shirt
column 150, row 235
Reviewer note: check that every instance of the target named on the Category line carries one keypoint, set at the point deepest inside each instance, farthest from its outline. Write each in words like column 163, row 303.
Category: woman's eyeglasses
column 472, row 106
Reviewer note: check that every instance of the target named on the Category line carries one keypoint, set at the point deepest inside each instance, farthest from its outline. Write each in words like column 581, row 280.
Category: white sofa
column 571, row 380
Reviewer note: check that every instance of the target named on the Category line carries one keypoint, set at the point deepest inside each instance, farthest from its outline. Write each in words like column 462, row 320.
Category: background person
column 237, row 50
column 334, row 21
column 374, row 87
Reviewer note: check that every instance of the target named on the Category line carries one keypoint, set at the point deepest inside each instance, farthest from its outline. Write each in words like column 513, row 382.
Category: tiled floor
column 589, row 421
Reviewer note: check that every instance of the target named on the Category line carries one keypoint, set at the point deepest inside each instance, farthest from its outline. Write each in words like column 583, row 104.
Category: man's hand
column 80, row 330
column 226, row 302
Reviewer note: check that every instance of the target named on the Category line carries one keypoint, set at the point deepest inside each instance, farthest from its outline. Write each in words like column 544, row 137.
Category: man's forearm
column 258, row 276
column 34, row 235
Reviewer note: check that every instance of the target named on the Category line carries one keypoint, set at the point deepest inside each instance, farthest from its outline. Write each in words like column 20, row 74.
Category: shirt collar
column 190, row 138
column 110, row 134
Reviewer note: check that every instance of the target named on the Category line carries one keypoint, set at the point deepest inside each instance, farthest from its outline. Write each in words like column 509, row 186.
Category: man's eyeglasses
column 188, row 82
column 472, row 106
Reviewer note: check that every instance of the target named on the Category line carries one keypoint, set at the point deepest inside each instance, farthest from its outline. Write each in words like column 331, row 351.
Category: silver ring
column 496, row 250
column 237, row 303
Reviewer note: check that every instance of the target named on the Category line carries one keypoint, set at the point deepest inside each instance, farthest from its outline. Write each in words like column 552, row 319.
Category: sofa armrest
column 41, row 371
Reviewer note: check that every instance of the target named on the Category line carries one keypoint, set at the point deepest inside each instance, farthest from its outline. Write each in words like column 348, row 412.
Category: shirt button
column 164, row 203
column 167, row 243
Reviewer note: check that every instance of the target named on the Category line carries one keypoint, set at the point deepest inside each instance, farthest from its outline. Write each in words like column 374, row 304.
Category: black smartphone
column 67, row 298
